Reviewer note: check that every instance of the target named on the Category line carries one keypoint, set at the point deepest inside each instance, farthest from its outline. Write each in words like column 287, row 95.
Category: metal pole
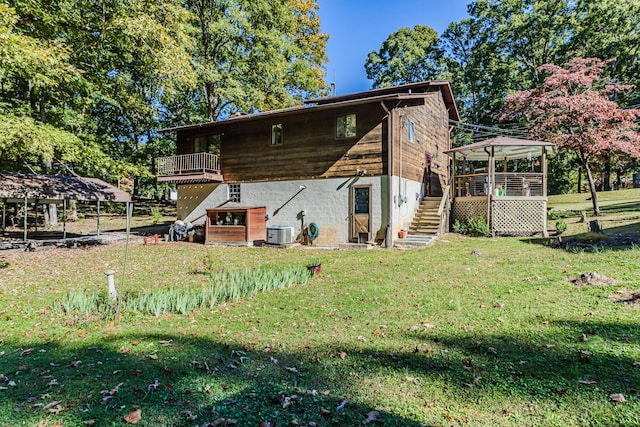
column 25, row 219
column 98, row 224
column 64, row 219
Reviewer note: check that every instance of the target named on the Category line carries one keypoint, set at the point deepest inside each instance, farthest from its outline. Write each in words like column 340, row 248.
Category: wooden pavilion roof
column 16, row 186
column 503, row 148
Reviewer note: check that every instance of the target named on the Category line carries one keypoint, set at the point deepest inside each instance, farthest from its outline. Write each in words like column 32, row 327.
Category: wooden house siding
column 430, row 119
column 309, row 148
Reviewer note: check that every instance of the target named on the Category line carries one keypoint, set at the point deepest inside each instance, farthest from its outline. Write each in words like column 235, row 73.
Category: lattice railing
column 464, row 208
column 518, row 216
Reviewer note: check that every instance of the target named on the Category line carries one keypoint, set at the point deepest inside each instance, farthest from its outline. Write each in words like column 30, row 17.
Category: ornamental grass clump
column 223, row 286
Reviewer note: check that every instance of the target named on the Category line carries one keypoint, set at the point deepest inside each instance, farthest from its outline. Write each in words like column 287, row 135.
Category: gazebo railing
column 513, row 184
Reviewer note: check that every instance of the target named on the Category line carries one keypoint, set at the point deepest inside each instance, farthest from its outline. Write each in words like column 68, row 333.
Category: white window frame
column 234, row 192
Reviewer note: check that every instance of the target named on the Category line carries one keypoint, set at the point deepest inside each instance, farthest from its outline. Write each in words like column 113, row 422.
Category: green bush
column 460, row 227
column 476, row 227
column 561, row 226
column 156, row 215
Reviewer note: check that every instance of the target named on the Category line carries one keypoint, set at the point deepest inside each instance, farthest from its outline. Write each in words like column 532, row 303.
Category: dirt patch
column 596, row 241
column 592, row 279
column 626, row 296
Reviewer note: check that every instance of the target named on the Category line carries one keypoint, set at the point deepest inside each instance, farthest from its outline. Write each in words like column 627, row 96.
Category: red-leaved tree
column 573, row 109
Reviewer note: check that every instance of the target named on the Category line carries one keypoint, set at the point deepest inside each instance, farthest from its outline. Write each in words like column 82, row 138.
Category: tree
column 406, row 56
column 255, row 54
column 573, row 108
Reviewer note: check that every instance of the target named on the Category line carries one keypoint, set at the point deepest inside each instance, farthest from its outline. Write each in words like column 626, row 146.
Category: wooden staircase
column 426, row 224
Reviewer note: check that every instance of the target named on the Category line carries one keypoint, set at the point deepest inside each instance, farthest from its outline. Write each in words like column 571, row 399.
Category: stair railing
column 443, row 210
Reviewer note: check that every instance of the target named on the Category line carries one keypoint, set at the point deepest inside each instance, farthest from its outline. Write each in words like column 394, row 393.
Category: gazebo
column 503, row 180
column 24, row 189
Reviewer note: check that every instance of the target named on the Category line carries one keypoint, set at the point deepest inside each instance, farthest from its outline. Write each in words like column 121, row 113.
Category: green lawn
column 435, row 337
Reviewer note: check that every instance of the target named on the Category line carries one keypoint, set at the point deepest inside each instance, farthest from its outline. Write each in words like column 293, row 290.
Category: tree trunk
column 579, row 180
column 606, row 179
column 592, row 188
column 53, row 214
column 72, row 212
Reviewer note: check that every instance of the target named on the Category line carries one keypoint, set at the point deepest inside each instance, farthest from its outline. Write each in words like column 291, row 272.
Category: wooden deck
column 189, row 168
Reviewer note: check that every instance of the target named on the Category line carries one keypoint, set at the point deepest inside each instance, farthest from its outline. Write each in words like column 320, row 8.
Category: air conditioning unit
column 280, row 235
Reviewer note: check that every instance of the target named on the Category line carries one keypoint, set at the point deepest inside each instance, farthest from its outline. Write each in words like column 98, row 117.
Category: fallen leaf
column 492, row 350
column 165, row 343
column 153, row 356
column 617, row 398
column 89, row 422
column 133, row 417
column 51, row 405
column 342, row 355
column 586, row 382
column 27, row 352
column 324, row 411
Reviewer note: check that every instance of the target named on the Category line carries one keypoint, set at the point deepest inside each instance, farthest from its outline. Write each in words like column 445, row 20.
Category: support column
column 64, row 219
column 25, row 219
column 98, row 220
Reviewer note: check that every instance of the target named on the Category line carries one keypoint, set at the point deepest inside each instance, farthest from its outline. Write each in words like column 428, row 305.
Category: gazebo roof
column 503, row 147
column 52, row 188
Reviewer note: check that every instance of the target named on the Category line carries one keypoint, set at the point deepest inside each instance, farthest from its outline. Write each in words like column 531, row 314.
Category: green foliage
column 256, row 54
column 224, row 286
column 156, row 214
column 561, row 226
column 406, row 56
column 476, row 227
column 460, row 227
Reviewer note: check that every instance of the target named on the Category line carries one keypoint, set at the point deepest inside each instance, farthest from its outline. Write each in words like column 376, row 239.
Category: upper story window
column 207, row 143
column 346, row 126
column 411, row 135
column 276, row 134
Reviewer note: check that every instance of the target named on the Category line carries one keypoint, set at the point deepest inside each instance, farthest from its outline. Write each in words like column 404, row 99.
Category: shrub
column 460, row 227
column 156, row 215
column 561, row 226
column 476, row 227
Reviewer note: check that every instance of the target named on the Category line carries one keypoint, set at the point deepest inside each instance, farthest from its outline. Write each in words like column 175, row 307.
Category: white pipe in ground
column 111, row 287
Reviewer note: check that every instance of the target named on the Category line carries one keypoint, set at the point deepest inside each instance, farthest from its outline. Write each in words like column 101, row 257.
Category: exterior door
column 426, row 180
column 360, row 213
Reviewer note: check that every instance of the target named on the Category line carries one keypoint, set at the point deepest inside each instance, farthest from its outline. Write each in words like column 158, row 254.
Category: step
column 415, row 240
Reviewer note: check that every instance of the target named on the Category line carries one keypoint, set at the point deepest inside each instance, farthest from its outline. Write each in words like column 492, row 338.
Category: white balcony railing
column 188, row 164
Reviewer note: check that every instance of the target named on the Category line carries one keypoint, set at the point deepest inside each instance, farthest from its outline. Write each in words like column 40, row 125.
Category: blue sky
column 356, row 27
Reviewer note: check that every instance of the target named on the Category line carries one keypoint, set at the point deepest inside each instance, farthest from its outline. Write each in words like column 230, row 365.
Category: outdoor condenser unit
column 279, row 235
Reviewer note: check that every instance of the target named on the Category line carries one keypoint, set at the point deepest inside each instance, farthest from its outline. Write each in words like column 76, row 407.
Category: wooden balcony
column 189, row 168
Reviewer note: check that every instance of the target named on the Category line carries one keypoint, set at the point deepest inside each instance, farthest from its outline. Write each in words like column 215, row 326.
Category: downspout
column 388, row 233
